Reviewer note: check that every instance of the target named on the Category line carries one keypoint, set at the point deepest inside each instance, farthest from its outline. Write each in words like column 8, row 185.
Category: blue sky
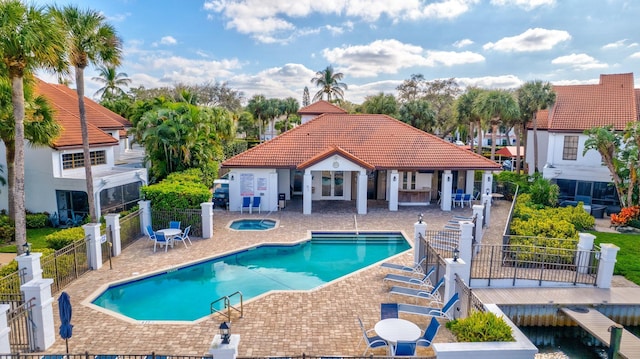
column 274, row 47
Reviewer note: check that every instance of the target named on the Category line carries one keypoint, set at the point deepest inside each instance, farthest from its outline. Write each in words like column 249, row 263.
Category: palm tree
column 496, row 106
column 89, row 40
column 466, row 114
column 29, row 39
column 288, row 106
column 113, row 82
column 258, row 107
column 329, row 83
column 534, row 96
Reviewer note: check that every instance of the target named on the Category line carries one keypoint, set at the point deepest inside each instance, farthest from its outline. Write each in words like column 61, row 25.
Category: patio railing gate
column 66, row 265
column 129, row 229
column 468, row 300
column 187, row 217
column 22, row 333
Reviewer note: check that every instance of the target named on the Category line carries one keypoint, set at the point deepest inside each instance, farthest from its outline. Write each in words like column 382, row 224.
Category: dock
column 597, row 324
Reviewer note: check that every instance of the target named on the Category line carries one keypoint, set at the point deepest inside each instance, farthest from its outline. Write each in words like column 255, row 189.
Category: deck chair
column 388, row 310
column 161, row 240
column 424, row 281
column 372, row 342
column 429, row 333
column 174, row 224
column 150, row 234
column 246, row 203
column 255, row 204
column 428, row 310
column 184, row 237
column 467, row 199
column 404, row 348
column 432, row 295
column 411, row 269
column 457, row 200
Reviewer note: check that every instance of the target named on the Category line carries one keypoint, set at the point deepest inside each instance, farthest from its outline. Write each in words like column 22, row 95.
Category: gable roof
column 510, row 151
column 373, row 141
column 613, row 101
column 65, row 103
column 320, row 107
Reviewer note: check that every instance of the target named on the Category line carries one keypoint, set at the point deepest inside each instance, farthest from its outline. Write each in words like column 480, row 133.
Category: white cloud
column 168, row 40
column 614, row 45
column 531, row 40
column 357, row 93
column 579, row 62
column 491, row 82
column 575, row 82
column 525, row 4
column 635, row 55
column 462, row 43
column 118, row 17
column 451, row 58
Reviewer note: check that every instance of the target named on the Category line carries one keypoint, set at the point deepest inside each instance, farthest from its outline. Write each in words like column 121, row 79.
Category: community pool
column 252, row 224
column 186, row 293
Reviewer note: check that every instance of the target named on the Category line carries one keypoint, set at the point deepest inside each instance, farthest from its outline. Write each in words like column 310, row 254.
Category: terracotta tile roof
column 510, row 151
column 543, row 120
column 65, row 103
column 377, row 140
column 580, row 107
column 320, row 107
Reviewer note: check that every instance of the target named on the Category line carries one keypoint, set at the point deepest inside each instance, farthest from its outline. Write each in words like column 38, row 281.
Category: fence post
column 459, row 267
column 113, row 224
column 94, row 249
column 465, row 246
column 585, row 245
column 607, row 262
column 419, row 228
column 145, row 215
column 478, row 212
column 42, row 311
column 207, row 219
column 32, row 264
column 486, row 200
column 5, row 344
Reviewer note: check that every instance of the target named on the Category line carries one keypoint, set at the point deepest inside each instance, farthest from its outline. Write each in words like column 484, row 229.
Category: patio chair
column 433, row 295
column 457, row 200
column 404, row 348
column 424, row 281
column 429, row 333
column 411, row 269
column 255, row 204
column 428, row 310
column 246, row 203
column 388, row 310
column 467, row 199
column 372, row 342
column 184, row 237
column 161, row 240
column 150, row 233
column 174, row 224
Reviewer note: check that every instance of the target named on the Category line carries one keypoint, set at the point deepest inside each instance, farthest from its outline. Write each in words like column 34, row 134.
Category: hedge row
column 180, row 190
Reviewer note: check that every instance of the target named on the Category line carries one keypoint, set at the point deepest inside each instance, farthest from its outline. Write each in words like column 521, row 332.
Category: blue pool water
column 252, row 224
column 185, row 294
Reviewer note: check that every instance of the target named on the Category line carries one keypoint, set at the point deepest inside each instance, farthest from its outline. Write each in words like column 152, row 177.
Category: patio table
column 169, row 233
column 394, row 329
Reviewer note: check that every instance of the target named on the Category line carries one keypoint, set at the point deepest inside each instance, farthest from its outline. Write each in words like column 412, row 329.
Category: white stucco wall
column 253, row 182
column 586, row 168
column 333, row 163
column 284, row 182
column 543, row 148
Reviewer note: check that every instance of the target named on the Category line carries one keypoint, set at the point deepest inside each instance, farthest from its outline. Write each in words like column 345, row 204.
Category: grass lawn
column 628, row 259
column 35, row 236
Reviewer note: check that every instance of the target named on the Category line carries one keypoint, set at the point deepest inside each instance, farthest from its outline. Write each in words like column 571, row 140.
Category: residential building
column 55, row 176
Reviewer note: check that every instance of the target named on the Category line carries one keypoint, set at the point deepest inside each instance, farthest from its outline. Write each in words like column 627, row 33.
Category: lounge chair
column 388, row 310
column 430, row 311
column 411, row 269
column 431, row 295
column 372, row 342
column 429, row 333
column 161, row 240
column 403, row 348
column 184, row 237
column 246, row 203
column 424, row 281
column 255, row 204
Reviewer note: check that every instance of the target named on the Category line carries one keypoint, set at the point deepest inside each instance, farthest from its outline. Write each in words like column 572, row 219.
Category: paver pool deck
column 318, row 322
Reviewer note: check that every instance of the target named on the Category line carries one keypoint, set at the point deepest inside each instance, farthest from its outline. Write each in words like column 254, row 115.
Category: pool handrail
column 228, row 306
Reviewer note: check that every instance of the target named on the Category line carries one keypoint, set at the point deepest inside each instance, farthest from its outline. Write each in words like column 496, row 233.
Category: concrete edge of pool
column 88, row 301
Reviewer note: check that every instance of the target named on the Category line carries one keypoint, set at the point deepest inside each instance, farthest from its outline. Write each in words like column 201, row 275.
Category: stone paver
column 317, row 322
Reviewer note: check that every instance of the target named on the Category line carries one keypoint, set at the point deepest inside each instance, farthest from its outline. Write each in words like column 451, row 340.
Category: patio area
column 318, row 322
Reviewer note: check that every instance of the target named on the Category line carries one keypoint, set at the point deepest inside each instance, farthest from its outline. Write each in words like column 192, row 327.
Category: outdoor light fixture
column 456, row 252
column 420, row 218
column 448, row 179
column 225, row 332
column 394, row 178
column 232, row 177
column 487, row 191
column 27, row 248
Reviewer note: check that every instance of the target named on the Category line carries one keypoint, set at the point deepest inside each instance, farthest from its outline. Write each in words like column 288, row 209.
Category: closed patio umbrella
column 66, row 328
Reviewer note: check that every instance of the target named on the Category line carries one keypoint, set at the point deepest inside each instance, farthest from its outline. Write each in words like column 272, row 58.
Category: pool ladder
column 227, row 306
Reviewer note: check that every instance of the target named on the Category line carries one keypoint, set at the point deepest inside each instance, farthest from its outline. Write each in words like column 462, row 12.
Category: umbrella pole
column 66, row 342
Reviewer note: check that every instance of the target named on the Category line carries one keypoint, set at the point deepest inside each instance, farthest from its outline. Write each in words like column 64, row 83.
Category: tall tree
column 534, row 96
column 466, row 114
column 417, row 113
column 329, row 82
column 29, row 39
column 289, row 106
column 381, row 103
column 305, row 97
column 90, row 40
column 258, row 107
column 496, row 106
column 113, row 82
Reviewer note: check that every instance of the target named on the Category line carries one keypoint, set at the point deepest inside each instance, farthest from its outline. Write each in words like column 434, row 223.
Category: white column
column 419, row 228
column 32, row 265
column 5, row 344
column 272, row 199
column 466, row 241
column 608, row 253
column 469, row 181
column 394, row 184
column 445, row 191
column 362, row 192
column 478, row 210
column 42, row 311
column 462, row 269
column 583, row 255
column 145, row 215
column 306, row 192
column 486, row 200
column 94, row 249
column 113, row 222
column 487, row 182
column 225, row 351
column 207, row 219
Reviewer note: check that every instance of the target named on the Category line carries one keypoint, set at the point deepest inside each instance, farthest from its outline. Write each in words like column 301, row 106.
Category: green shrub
column 7, row 229
column 37, row 220
column 481, row 327
column 543, row 192
column 64, row 237
column 180, row 190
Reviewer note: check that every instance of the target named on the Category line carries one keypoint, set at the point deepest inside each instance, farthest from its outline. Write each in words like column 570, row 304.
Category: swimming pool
column 185, row 294
column 252, row 224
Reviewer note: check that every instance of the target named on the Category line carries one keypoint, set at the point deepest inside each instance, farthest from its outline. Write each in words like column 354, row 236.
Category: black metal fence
column 66, row 265
column 186, row 217
column 469, row 302
column 129, row 229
